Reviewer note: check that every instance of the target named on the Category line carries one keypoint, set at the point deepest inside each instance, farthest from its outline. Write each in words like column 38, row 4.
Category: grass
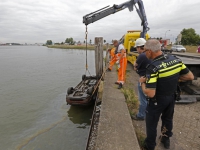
column 140, row 136
column 131, row 100
column 89, row 47
column 191, row 49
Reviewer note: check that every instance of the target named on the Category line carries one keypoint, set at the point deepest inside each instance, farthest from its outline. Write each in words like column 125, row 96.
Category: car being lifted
column 84, row 93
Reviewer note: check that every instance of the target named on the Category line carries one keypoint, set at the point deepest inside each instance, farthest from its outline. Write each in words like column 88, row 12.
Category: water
column 33, row 110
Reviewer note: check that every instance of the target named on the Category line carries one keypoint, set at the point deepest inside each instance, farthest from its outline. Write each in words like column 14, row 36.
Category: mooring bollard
column 99, row 56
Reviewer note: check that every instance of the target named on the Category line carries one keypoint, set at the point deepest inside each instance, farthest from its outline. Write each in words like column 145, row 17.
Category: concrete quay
column 115, row 129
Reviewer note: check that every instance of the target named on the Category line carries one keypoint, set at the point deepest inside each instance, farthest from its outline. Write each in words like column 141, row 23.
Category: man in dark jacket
column 140, row 67
column 160, row 85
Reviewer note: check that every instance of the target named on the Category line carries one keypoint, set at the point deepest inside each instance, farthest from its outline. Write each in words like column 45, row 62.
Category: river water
column 33, row 110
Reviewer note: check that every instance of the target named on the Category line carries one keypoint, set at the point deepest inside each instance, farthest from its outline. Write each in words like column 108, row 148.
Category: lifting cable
column 86, row 65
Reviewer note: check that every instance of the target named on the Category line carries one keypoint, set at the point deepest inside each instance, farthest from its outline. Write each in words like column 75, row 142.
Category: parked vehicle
column 178, row 48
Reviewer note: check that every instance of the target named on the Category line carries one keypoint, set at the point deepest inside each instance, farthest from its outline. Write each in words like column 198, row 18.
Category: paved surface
column 115, row 131
column 186, row 122
column 189, row 61
column 186, row 53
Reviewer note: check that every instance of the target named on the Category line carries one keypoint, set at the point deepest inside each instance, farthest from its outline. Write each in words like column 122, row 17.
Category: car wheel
column 83, row 77
column 70, row 90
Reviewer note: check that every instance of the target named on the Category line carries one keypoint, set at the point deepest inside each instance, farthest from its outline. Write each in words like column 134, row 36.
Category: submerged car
column 84, row 93
column 178, row 48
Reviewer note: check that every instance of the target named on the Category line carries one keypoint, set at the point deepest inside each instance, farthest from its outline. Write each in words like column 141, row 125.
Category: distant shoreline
column 83, row 47
column 190, row 49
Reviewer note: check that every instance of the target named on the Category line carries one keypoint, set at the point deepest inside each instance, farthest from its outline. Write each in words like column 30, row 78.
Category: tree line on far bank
column 68, row 41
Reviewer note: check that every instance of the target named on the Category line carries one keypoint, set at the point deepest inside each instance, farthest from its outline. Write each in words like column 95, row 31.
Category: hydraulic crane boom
column 103, row 12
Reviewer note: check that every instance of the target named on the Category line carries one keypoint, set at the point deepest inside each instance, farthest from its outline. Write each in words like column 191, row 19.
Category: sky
column 36, row 21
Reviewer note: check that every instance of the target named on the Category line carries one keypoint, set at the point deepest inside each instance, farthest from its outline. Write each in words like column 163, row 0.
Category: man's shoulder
column 166, row 61
column 143, row 57
column 121, row 46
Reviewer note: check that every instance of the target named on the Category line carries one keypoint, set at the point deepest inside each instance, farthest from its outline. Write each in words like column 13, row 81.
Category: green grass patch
column 140, row 136
column 133, row 104
column 131, row 100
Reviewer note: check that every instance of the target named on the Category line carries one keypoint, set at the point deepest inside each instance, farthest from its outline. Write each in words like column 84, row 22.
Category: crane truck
column 130, row 37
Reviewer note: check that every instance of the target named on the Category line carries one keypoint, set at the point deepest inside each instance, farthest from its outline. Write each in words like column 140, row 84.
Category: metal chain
column 86, row 65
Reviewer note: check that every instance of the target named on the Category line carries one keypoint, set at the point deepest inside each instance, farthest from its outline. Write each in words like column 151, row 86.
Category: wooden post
column 107, row 46
column 99, row 55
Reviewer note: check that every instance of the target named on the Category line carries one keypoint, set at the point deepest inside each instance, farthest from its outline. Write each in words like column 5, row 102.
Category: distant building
column 165, row 42
column 78, row 43
column 178, row 39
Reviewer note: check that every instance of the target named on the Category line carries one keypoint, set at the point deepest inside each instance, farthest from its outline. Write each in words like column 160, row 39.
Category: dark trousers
column 165, row 106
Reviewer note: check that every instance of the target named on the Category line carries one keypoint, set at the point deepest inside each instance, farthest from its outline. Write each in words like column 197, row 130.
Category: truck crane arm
column 106, row 11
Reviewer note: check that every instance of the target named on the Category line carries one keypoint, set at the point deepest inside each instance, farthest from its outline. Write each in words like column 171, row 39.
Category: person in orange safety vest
column 122, row 61
column 112, row 58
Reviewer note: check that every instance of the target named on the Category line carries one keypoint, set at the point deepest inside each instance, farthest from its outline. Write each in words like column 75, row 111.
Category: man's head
column 139, row 44
column 115, row 43
column 152, row 48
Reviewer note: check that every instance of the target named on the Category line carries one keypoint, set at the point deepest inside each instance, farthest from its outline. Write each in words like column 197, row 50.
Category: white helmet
column 140, row 42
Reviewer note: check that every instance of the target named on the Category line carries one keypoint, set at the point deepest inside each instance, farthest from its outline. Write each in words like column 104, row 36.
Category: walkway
column 115, row 131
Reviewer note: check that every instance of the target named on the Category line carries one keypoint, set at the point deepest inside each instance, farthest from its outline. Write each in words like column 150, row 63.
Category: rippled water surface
column 33, row 110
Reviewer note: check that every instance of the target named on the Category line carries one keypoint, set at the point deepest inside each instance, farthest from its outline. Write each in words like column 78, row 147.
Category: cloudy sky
column 35, row 21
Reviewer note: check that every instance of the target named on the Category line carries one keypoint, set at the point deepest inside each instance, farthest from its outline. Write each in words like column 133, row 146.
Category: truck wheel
column 90, row 90
column 70, row 90
column 83, row 77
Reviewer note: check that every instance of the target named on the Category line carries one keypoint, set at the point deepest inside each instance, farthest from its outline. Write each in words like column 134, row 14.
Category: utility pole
column 165, row 33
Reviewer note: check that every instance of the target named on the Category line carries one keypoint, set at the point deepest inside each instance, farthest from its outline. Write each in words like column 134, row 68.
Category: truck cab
column 128, row 40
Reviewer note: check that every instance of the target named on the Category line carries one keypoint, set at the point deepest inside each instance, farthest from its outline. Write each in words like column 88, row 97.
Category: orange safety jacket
column 113, row 58
column 122, row 68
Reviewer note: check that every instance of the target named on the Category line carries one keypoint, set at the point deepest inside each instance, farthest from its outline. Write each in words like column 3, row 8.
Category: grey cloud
column 179, row 18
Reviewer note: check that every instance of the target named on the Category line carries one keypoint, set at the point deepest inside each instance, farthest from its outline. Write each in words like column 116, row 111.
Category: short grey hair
column 153, row 45
column 115, row 41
